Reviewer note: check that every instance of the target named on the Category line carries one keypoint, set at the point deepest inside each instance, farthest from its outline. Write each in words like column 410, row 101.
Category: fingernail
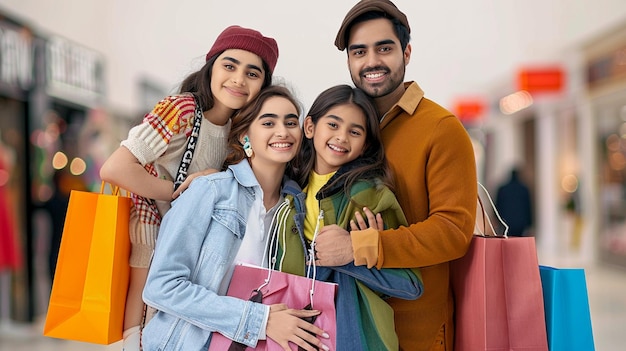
column 325, row 335
column 325, row 347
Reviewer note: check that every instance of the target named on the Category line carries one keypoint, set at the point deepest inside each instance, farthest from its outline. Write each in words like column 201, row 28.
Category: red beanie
column 236, row 37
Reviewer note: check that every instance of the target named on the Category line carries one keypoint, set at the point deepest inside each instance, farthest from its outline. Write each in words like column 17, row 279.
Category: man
column 432, row 158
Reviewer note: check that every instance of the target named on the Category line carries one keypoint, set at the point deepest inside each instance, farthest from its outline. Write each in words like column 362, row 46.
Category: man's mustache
column 374, row 69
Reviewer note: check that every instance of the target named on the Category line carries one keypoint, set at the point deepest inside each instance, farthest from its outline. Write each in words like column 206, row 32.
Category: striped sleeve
column 149, row 140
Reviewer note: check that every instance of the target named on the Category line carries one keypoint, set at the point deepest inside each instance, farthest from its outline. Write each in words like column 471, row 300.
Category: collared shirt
column 408, row 103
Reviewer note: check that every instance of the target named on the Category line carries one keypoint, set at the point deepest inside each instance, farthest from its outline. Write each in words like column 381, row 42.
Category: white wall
column 459, row 47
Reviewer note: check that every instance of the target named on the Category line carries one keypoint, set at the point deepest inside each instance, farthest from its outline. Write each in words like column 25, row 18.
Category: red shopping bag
column 290, row 289
column 498, row 295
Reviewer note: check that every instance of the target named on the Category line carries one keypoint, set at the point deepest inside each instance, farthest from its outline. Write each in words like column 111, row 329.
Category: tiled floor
column 607, row 298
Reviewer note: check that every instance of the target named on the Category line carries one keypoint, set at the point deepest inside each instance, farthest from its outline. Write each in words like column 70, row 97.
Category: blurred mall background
column 540, row 86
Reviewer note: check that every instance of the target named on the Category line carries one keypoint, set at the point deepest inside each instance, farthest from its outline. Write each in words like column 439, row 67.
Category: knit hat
column 365, row 6
column 236, row 37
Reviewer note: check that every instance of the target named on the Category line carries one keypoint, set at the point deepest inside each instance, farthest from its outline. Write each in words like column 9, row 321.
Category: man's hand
column 333, row 246
column 374, row 221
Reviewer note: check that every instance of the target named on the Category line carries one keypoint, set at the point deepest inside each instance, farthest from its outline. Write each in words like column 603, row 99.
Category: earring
column 247, row 148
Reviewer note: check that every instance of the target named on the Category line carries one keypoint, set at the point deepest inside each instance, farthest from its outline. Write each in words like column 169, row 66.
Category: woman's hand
column 188, row 180
column 285, row 325
column 375, row 221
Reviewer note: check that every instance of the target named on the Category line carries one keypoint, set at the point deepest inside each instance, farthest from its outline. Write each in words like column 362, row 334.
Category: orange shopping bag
column 91, row 280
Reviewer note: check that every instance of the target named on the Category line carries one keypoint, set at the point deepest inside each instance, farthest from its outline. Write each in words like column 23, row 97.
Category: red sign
column 541, row 79
column 469, row 110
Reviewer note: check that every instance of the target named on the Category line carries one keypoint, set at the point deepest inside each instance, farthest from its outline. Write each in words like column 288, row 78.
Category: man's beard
column 375, row 90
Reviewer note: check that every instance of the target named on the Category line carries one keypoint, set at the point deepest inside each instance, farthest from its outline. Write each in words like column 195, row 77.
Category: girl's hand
column 285, row 325
column 375, row 221
column 191, row 177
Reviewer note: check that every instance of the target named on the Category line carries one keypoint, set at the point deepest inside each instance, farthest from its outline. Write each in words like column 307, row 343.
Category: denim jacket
column 198, row 241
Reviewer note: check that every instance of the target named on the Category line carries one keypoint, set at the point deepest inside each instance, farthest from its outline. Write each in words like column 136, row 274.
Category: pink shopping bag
column 290, row 289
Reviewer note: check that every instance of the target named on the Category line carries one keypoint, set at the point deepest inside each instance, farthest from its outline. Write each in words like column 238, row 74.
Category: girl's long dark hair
column 370, row 165
column 199, row 83
column 246, row 115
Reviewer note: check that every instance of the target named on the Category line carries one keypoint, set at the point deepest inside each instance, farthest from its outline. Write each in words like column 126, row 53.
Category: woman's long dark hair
column 370, row 165
column 246, row 115
column 199, row 83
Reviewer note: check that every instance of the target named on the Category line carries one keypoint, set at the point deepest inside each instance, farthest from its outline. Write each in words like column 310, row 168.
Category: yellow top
column 316, row 182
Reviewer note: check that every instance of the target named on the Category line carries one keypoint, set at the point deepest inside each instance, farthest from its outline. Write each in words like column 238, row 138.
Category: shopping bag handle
column 486, row 216
column 115, row 190
column 271, row 247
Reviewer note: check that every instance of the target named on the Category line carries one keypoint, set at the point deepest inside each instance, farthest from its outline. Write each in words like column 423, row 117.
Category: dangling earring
column 247, row 148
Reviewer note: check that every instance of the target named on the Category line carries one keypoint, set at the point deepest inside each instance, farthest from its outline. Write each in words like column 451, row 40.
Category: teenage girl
column 223, row 219
column 178, row 140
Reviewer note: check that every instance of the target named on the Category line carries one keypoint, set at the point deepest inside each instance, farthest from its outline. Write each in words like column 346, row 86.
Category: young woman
column 157, row 155
column 222, row 219
column 343, row 172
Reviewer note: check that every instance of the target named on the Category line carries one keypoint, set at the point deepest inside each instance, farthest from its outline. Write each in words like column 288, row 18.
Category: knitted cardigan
column 159, row 143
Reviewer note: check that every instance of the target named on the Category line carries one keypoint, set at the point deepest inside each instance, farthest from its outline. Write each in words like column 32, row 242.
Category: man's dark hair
column 401, row 31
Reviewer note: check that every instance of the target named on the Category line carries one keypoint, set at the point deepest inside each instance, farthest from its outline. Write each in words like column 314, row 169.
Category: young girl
column 222, row 219
column 157, row 155
column 343, row 171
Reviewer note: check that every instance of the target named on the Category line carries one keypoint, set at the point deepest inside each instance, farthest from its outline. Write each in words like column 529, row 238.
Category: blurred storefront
column 535, row 123
column 54, row 137
column 16, row 84
column 569, row 142
column 67, row 125
column 605, row 73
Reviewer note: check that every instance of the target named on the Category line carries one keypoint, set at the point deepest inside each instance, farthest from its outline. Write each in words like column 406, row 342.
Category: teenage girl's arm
column 124, row 170
column 184, row 185
column 148, row 141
